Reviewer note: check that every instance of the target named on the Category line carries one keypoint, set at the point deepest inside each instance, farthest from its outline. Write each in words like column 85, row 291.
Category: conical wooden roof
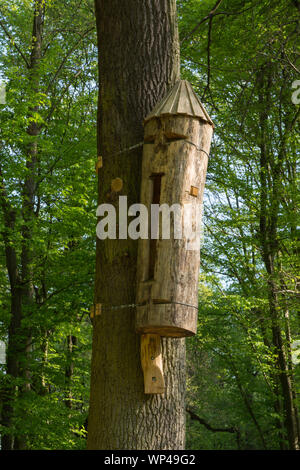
column 181, row 99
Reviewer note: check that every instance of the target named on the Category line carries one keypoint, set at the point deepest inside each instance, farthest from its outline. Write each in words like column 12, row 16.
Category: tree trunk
column 71, row 344
column 271, row 175
column 8, row 389
column 138, row 63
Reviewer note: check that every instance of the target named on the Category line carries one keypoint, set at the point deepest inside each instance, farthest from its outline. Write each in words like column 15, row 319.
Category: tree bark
column 138, row 63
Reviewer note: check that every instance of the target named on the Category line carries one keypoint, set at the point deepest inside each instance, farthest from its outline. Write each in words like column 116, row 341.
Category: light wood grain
column 152, row 365
column 171, row 149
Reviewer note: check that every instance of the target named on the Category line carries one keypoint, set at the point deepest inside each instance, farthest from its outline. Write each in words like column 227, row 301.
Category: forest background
column 243, row 366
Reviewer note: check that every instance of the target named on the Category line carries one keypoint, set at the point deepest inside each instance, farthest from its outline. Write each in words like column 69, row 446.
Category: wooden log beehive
column 177, row 139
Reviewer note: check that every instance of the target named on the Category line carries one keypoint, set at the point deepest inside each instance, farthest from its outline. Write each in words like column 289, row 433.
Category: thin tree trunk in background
column 71, row 343
column 138, row 63
column 288, row 340
column 8, row 389
column 20, row 338
column 44, row 388
column 29, row 195
column 270, row 193
column 29, row 191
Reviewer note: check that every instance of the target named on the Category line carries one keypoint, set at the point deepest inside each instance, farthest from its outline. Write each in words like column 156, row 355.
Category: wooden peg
column 152, row 366
column 92, row 314
column 99, row 164
column 194, row 191
column 95, row 310
column 116, row 185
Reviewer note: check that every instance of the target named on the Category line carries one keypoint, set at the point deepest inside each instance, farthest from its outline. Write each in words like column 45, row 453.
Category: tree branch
column 68, row 54
column 208, row 56
column 195, row 417
column 14, row 43
column 213, row 13
column 209, row 16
